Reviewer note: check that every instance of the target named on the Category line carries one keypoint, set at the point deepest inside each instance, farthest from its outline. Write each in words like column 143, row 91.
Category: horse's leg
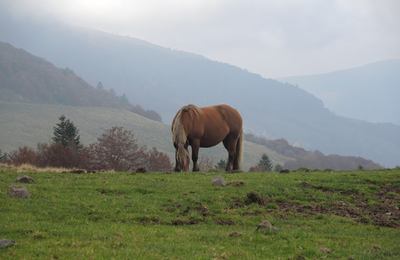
column 195, row 154
column 238, row 148
column 230, row 145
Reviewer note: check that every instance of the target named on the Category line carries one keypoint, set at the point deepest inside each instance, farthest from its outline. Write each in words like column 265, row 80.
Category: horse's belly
column 208, row 143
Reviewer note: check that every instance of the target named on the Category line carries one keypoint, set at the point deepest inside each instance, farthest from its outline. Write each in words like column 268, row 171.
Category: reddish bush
column 57, row 155
column 117, row 149
column 24, row 155
column 158, row 161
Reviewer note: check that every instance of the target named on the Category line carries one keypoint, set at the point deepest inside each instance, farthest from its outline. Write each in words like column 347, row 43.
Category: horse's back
column 230, row 116
column 223, row 118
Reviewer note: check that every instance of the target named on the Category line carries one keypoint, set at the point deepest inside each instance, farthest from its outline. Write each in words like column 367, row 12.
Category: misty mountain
column 165, row 79
column 27, row 78
column 302, row 158
column 368, row 92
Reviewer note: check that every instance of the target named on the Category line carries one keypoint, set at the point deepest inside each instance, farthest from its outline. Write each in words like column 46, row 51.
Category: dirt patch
column 235, row 234
column 182, row 222
column 149, row 220
column 236, row 202
column 105, row 191
column 255, row 197
column 328, row 189
column 384, row 213
column 198, row 207
column 235, row 183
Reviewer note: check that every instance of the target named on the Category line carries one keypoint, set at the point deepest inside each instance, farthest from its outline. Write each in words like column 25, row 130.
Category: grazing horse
column 206, row 127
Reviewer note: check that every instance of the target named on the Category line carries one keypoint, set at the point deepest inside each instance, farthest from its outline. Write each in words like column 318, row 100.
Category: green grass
column 182, row 216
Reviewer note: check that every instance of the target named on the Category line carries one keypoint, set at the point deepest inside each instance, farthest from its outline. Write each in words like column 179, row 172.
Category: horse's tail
column 239, row 148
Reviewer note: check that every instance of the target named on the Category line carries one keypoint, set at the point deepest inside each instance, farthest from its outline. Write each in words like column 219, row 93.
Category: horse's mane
column 178, row 129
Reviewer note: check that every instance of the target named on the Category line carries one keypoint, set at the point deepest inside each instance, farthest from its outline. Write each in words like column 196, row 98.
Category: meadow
column 321, row 214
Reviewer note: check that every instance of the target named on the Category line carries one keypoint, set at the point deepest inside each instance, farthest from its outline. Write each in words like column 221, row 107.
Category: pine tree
column 264, row 164
column 65, row 133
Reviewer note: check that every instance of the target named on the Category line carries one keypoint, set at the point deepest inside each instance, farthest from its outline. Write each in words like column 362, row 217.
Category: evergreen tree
column 264, row 164
column 65, row 133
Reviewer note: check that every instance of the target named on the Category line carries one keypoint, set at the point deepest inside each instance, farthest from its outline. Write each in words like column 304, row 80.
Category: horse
column 207, row 127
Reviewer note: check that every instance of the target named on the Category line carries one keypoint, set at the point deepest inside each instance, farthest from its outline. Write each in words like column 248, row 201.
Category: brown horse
column 206, row 127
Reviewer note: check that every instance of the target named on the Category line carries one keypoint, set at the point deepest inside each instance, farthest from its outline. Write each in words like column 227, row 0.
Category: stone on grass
column 266, row 227
column 25, row 179
column 325, row 250
column 218, row 181
column 4, row 243
column 18, row 192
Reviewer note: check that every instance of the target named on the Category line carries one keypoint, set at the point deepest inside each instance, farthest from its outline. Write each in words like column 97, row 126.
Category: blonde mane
column 178, row 130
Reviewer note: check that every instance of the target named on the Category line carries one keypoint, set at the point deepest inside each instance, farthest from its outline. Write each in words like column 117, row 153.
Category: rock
column 235, row 183
column 18, row 192
column 25, row 179
column 266, row 227
column 325, row 250
column 218, row 181
column 4, row 243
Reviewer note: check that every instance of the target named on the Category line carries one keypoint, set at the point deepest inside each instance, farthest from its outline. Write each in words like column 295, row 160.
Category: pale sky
column 274, row 38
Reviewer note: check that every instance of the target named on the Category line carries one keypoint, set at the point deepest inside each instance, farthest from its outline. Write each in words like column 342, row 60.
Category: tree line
column 116, row 149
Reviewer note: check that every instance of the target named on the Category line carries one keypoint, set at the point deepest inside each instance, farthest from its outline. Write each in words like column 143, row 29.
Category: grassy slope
column 130, row 216
column 27, row 124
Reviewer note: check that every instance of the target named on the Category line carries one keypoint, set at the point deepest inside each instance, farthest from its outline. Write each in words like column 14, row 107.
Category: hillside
column 351, row 92
column 165, row 79
column 27, row 124
column 311, row 159
column 178, row 216
column 27, row 78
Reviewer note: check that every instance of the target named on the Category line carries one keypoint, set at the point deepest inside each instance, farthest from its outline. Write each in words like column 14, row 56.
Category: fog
column 273, row 38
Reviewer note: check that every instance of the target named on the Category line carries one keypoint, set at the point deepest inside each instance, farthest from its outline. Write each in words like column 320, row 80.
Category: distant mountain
column 370, row 92
column 312, row 160
column 27, row 78
column 165, row 79
column 28, row 124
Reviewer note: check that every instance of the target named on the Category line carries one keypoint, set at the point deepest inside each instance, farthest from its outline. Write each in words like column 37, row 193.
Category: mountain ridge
column 349, row 92
column 28, row 78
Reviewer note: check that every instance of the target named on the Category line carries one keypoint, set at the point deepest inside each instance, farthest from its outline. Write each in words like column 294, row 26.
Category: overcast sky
column 272, row 37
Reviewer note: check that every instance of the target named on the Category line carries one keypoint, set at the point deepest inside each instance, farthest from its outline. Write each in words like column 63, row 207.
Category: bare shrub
column 57, row 155
column 117, row 149
column 23, row 155
column 158, row 161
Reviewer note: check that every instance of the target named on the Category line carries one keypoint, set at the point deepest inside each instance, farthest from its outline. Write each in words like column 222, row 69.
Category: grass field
column 350, row 215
